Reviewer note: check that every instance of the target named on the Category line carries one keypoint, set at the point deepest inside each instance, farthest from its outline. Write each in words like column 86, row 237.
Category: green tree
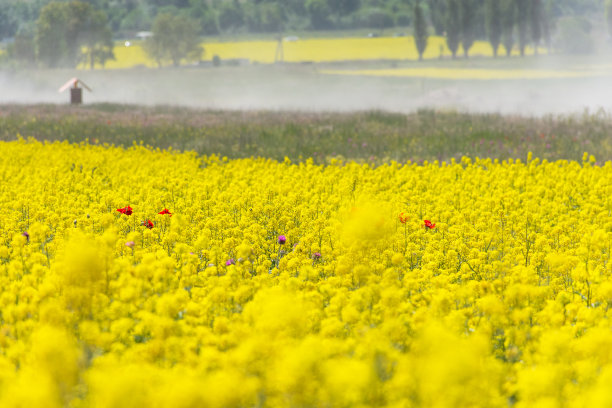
column 420, row 29
column 522, row 21
column 97, row 39
column 51, row 36
column 453, row 26
column 268, row 16
column 68, row 33
column 547, row 24
column 508, row 12
column 494, row 24
column 608, row 14
column 175, row 38
column 468, row 23
column 208, row 22
column 136, row 19
column 8, row 22
column 318, row 11
column 437, row 14
column 23, row 49
column 230, row 15
column 343, row 7
column 535, row 21
column 574, row 35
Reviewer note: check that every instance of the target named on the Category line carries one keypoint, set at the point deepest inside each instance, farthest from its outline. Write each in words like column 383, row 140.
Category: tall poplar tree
column 453, row 26
column 437, row 13
column 535, row 20
column 522, row 22
column 468, row 23
column 608, row 14
column 494, row 24
column 420, row 29
column 508, row 12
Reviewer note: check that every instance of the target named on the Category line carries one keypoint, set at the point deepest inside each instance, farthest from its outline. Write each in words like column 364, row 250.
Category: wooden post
column 76, row 96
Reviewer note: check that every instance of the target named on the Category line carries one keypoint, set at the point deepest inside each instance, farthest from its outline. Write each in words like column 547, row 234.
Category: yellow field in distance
column 315, row 50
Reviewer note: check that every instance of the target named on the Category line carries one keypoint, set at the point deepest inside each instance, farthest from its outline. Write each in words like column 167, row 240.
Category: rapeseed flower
column 507, row 302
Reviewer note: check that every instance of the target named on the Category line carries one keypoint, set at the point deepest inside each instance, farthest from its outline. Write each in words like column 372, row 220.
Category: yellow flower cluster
column 281, row 284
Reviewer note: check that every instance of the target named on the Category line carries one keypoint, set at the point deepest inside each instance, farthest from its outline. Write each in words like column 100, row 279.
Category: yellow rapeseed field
column 314, row 50
column 146, row 278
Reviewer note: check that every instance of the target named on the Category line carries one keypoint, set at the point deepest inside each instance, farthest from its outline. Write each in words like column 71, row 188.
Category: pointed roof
column 73, row 82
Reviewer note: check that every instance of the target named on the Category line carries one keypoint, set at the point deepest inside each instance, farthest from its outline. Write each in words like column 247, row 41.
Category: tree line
column 223, row 16
column 67, row 33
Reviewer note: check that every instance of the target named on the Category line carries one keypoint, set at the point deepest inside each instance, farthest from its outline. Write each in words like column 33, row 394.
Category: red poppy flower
column 429, row 225
column 403, row 218
column 165, row 211
column 125, row 210
column 148, row 224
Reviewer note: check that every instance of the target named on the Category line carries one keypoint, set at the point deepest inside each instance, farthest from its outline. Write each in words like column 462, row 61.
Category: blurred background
column 529, row 57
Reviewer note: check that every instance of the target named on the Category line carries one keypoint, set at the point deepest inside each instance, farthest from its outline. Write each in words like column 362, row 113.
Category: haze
column 303, row 87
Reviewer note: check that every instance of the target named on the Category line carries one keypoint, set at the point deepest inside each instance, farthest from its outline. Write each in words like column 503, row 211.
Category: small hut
column 76, row 92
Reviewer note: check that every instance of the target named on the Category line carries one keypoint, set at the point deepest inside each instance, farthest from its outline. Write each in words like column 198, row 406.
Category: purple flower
column 130, row 244
column 316, row 255
column 25, row 234
column 230, row 262
column 282, row 239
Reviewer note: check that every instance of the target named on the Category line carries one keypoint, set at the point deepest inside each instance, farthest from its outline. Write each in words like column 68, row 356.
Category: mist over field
column 309, row 88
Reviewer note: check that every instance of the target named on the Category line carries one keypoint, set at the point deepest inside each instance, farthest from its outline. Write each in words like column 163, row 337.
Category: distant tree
column 69, row 32
column 8, row 22
column 574, row 35
column 608, row 14
column 79, row 31
column 318, row 11
column 97, row 39
column 494, row 24
column 343, row 7
column 508, row 12
column 522, row 21
column 270, row 16
column 175, row 38
column 420, row 29
column 547, row 24
column 374, row 17
column 535, row 20
column 23, row 49
column 230, row 15
column 136, row 19
column 453, row 26
column 208, row 22
column 468, row 23
column 437, row 14
column 51, row 38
